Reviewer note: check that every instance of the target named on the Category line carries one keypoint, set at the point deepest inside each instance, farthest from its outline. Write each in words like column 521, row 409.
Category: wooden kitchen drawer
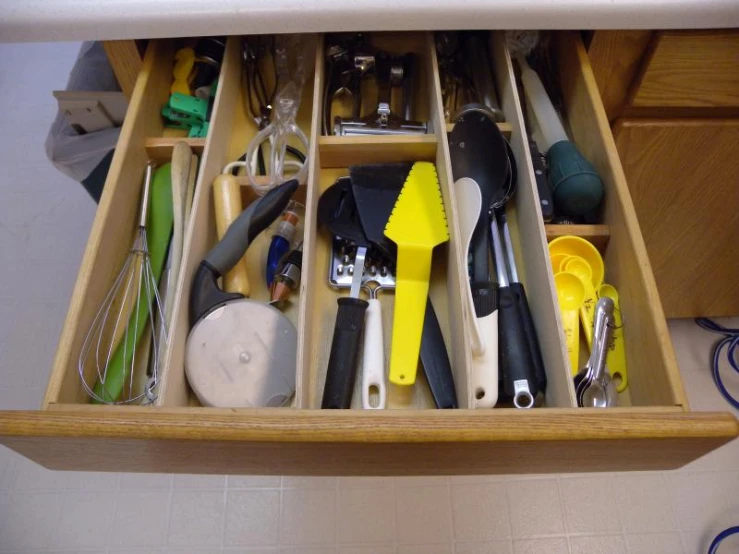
column 653, row 430
column 689, row 69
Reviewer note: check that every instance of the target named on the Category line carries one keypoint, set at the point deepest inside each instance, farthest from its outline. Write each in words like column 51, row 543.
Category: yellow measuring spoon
column 616, row 360
column 571, row 295
column 582, row 269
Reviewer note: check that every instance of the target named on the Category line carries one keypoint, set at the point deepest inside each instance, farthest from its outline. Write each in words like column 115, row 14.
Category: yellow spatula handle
column 411, row 291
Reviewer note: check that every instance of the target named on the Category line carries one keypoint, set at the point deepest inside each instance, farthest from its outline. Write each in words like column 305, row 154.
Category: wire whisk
column 128, row 336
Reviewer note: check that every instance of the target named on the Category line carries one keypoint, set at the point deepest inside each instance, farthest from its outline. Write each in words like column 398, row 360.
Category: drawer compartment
column 112, row 232
column 334, row 155
column 654, row 378
column 657, row 430
column 232, row 129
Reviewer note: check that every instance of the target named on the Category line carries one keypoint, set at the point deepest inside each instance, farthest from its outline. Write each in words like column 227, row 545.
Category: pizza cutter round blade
column 242, row 354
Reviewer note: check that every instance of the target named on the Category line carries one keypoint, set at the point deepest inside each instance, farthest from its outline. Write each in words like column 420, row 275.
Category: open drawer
column 654, row 428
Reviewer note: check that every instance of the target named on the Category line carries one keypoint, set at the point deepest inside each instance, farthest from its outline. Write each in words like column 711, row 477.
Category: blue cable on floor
column 731, row 342
column 720, row 538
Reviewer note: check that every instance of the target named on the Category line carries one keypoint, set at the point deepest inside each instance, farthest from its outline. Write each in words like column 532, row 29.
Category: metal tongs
column 349, row 60
column 466, row 72
column 593, row 384
column 390, row 72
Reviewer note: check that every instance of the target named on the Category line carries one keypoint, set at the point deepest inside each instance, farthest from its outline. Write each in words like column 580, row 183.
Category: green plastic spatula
column 416, row 226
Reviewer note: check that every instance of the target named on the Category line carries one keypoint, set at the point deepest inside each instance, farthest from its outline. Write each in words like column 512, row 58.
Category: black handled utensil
column 337, row 211
column 521, row 366
column 546, row 202
column 523, row 310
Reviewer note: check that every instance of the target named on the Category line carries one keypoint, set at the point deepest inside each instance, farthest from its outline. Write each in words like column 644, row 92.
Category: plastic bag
column 290, row 68
column 85, row 158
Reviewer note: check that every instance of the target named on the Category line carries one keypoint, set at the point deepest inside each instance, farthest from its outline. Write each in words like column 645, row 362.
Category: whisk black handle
column 342, row 362
column 252, row 221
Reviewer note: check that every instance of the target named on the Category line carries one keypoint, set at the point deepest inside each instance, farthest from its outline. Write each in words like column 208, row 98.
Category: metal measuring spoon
column 611, row 391
column 585, row 377
column 592, row 382
column 607, row 381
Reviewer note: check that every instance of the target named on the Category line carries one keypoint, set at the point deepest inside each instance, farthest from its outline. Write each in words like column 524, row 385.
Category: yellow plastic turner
column 416, row 225
column 616, row 360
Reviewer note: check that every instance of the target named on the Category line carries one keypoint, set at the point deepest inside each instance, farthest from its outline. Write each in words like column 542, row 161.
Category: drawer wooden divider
column 159, row 149
column 598, row 235
column 343, row 151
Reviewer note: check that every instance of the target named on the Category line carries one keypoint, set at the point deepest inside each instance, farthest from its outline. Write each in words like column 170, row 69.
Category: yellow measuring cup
column 616, row 359
column 580, row 267
column 578, row 246
column 571, row 295
column 557, row 260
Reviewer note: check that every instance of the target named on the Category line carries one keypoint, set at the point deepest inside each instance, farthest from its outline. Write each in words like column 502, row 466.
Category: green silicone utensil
column 158, row 229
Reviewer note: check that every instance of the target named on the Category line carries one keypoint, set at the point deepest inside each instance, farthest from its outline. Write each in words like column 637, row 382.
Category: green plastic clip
column 199, row 131
column 190, row 105
column 186, row 112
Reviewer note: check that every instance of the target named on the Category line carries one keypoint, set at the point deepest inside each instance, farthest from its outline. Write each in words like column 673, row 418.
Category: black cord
column 730, row 340
column 295, row 153
column 261, row 168
column 259, row 99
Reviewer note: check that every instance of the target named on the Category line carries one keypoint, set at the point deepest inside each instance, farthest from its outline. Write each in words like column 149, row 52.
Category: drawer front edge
column 314, row 443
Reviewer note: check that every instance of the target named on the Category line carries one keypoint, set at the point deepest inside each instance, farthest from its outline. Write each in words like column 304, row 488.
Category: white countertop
column 51, row 20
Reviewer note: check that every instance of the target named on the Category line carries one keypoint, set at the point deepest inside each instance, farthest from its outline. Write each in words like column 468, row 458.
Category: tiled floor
column 44, row 220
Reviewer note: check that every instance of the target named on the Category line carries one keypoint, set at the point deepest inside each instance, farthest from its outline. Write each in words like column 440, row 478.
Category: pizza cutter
column 240, row 352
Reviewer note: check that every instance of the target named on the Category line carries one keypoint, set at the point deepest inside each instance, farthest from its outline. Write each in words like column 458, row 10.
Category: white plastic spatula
column 484, row 330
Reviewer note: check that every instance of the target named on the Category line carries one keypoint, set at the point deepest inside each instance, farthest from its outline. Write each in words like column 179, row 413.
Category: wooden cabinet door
column 684, row 180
